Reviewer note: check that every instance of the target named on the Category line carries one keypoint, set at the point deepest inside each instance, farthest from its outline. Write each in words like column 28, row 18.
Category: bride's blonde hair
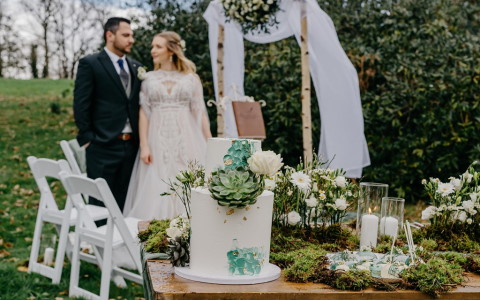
column 182, row 63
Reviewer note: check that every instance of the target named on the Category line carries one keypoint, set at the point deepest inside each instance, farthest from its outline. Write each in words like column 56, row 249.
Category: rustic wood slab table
column 161, row 283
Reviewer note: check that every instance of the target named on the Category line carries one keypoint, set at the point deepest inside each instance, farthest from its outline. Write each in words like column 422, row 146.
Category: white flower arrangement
column 254, row 15
column 317, row 195
column 453, row 201
column 179, row 227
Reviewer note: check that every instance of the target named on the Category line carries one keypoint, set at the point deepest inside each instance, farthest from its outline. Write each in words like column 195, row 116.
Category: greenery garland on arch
column 253, row 15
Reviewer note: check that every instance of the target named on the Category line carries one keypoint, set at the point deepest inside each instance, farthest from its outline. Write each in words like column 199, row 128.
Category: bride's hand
column 146, row 155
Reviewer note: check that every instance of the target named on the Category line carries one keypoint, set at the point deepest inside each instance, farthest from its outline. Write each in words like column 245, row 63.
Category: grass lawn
column 34, row 116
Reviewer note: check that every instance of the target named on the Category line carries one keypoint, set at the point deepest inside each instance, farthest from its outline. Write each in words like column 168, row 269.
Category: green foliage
column 354, row 280
column 417, row 63
column 155, row 236
column 304, row 264
column 434, row 277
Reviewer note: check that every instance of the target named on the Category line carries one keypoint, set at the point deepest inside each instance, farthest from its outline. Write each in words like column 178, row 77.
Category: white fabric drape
column 334, row 77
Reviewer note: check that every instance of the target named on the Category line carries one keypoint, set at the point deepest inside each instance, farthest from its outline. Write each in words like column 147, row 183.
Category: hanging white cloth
column 334, row 77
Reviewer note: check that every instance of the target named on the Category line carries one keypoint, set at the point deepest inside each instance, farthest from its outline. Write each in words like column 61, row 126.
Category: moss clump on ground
column 301, row 265
column 352, row 280
column 292, row 238
column 155, row 236
column 452, row 237
column 434, row 277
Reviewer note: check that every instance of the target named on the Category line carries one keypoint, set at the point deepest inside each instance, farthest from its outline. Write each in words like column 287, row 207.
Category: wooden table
column 162, row 283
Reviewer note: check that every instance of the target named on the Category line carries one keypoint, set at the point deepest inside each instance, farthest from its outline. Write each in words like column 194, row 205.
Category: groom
column 106, row 107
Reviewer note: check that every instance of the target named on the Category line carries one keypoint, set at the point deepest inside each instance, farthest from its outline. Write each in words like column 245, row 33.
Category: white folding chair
column 48, row 212
column 74, row 155
column 118, row 234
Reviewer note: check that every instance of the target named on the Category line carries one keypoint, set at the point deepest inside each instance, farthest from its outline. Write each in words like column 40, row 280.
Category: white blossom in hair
column 183, row 44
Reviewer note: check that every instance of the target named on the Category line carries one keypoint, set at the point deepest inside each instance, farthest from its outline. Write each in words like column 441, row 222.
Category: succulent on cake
column 238, row 154
column 235, row 188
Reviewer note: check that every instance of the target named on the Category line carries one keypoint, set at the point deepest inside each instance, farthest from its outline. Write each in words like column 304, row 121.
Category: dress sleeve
column 197, row 105
column 145, row 97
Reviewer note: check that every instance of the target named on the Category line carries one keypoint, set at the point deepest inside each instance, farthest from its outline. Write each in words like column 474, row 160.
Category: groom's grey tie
column 123, row 74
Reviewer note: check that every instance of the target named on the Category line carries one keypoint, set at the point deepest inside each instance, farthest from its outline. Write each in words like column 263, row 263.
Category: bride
column 174, row 127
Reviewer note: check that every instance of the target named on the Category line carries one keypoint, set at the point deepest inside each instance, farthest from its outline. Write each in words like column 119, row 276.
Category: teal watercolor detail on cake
column 245, row 261
column 238, row 154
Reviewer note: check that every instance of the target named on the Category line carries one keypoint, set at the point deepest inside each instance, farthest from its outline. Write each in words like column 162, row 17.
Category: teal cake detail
column 245, row 261
column 238, row 154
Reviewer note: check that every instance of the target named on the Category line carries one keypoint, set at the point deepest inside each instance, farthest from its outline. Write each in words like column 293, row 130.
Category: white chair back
column 49, row 212
column 77, row 185
column 69, row 153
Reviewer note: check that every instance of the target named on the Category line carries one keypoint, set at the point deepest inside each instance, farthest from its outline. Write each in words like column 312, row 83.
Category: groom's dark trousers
column 101, row 108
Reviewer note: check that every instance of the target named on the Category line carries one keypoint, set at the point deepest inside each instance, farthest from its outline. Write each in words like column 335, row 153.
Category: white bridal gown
column 174, row 105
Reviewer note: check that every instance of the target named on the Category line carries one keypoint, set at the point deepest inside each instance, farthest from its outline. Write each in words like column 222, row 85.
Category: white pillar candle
column 369, row 231
column 48, row 256
column 389, row 226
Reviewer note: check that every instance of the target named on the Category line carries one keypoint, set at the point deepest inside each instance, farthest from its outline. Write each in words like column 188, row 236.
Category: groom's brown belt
column 125, row 136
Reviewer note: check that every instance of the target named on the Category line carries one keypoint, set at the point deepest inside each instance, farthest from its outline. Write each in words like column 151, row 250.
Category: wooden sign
column 249, row 119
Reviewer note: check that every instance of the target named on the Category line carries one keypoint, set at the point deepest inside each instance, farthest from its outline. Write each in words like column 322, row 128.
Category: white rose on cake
column 265, row 162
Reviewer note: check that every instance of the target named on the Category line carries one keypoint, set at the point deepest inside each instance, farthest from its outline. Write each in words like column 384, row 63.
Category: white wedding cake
column 229, row 245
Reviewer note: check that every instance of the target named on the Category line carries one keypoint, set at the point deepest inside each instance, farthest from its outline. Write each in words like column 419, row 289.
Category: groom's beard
column 124, row 49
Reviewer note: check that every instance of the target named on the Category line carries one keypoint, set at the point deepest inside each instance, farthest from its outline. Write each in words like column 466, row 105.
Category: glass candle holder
column 369, row 212
column 391, row 219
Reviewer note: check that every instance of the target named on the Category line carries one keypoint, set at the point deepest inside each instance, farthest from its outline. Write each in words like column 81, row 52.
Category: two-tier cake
column 229, row 246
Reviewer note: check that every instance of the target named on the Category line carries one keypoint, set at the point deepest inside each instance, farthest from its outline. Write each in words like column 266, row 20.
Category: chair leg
column 32, row 264
column 107, row 262
column 60, row 257
column 75, row 271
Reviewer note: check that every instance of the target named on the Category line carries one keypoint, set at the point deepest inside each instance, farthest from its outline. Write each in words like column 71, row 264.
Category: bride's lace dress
column 174, row 105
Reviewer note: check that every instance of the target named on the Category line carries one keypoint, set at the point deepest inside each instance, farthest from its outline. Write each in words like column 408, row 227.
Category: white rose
column 429, row 212
column 473, row 197
column 445, row 189
column 457, row 183
column 340, row 181
column 173, row 232
column 467, row 177
column 341, row 204
column 461, row 216
column 265, row 162
column 311, row 202
column 174, row 222
column 469, row 206
column 270, row 184
column 293, row 218
column 469, row 221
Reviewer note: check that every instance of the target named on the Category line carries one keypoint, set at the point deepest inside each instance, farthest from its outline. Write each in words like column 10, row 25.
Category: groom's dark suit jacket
column 101, row 105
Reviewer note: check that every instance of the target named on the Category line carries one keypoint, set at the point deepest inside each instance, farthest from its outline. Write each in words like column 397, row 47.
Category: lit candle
column 389, row 226
column 48, row 256
column 369, row 231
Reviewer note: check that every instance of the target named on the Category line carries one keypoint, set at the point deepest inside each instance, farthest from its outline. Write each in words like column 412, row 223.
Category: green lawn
column 34, row 116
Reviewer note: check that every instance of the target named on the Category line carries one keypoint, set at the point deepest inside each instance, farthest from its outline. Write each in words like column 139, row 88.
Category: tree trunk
column 33, row 61
column 306, row 109
column 221, row 91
